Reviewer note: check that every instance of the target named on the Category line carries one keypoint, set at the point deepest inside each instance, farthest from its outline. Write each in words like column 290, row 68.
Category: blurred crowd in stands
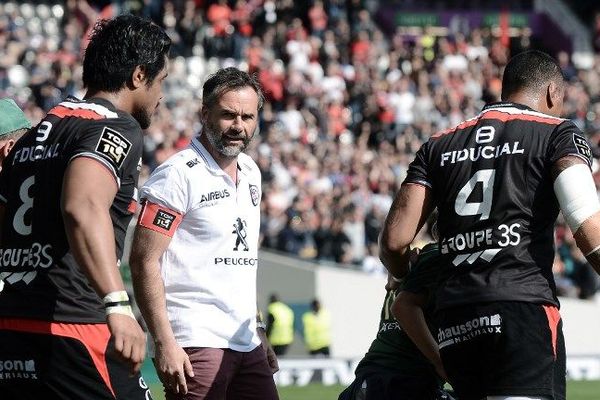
column 347, row 106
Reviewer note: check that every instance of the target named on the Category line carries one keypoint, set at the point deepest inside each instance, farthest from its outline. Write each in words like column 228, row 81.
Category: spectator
column 280, row 325
column 408, row 86
column 317, row 329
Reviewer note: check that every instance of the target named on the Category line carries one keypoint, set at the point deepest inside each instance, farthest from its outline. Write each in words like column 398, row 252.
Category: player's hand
column 129, row 338
column 172, row 365
column 271, row 356
column 393, row 284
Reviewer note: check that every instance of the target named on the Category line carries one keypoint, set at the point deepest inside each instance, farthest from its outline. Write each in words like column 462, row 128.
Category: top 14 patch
column 159, row 219
column 113, row 146
column 583, row 147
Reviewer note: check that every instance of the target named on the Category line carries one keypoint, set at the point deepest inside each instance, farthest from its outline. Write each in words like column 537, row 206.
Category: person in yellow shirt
column 280, row 325
column 317, row 329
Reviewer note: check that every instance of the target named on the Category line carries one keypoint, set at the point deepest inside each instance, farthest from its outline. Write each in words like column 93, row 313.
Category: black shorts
column 393, row 386
column 48, row 360
column 503, row 349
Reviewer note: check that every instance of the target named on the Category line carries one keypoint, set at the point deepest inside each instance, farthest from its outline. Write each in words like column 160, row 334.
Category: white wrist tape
column 576, row 192
column 114, row 297
column 118, row 303
column 125, row 310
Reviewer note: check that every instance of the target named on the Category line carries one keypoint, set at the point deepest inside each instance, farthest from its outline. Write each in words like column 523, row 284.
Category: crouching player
column 394, row 368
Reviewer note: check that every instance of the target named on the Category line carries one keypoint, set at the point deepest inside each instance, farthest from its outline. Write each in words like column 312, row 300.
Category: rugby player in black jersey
column 68, row 192
column 499, row 181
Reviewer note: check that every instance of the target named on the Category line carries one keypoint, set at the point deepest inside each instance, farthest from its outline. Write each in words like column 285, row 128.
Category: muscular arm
column 87, row 195
column 587, row 233
column 409, row 211
column 408, row 311
column 147, row 248
column 171, row 362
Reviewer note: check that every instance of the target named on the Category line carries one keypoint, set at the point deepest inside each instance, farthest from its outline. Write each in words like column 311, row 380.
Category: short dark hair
column 117, row 46
column 531, row 71
column 227, row 79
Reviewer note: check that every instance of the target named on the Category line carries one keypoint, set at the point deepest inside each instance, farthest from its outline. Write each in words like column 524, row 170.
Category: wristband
column 124, row 310
column 116, row 297
column 118, row 303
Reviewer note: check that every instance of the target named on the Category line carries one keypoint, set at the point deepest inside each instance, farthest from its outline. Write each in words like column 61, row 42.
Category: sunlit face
column 230, row 124
column 149, row 98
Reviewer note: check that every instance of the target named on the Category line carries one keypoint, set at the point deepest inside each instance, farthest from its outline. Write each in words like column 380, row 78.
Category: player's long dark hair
column 117, row 46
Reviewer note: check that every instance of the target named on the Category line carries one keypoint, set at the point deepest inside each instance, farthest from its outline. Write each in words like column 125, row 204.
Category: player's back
column 42, row 278
column 490, row 179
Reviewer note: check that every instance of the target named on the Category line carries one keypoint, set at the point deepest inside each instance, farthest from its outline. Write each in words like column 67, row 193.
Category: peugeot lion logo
column 240, row 231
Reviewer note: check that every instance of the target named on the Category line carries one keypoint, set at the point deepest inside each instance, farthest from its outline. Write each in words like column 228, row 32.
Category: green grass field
column 576, row 390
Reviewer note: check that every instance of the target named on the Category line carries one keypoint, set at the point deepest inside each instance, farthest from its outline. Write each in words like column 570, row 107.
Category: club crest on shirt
column 582, row 146
column 113, row 146
column 254, row 194
column 163, row 219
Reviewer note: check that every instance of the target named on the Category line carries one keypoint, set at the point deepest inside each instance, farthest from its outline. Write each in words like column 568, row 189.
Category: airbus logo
column 216, row 195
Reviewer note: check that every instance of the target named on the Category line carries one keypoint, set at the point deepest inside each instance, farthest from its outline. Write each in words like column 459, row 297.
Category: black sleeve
column 115, row 143
column 568, row 140
column 419, row 168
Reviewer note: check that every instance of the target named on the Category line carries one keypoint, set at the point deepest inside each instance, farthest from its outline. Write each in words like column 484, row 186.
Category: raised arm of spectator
column 409, row 211
column 87, row 195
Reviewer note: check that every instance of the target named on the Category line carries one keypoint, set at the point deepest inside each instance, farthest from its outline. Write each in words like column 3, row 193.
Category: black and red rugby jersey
column 490, row 179
column 42, row 279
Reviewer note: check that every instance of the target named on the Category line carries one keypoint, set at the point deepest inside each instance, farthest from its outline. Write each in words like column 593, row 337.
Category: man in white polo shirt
column 195, row 254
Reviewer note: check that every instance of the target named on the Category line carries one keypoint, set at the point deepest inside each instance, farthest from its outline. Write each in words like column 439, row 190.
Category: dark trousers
column 225, row 374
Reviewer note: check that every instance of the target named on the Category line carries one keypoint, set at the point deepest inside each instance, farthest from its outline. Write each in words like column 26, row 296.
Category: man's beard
column 220, row 143
column 142, row 117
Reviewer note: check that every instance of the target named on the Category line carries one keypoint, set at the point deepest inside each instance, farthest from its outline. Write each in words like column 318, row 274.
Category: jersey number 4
column 484, row 207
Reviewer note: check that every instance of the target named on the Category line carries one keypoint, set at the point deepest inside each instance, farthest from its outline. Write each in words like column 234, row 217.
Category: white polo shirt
column 209, row 268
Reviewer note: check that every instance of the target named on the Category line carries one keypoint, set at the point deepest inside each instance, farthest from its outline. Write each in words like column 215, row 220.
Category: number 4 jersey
column 490, row 179
column 41, row 278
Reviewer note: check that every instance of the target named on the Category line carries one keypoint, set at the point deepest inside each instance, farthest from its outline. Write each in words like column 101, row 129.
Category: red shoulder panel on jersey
column 502, row 117
column 159, row 219
column 63, row 112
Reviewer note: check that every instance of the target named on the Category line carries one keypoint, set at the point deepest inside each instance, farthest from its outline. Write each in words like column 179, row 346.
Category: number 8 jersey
column 490, row 178
column 41, row 278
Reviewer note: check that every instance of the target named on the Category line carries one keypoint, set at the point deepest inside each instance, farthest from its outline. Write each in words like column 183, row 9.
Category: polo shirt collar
column 206, row 156
column 210, row 161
